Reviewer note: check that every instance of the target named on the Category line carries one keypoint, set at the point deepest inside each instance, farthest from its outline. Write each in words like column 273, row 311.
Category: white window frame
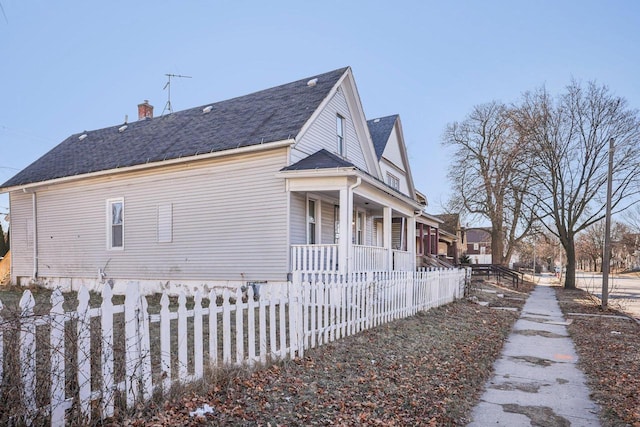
column 393, row 181
column 316, row 221
column 165, row 223
column 110, row 203
column 359, row 220
column 340, row 135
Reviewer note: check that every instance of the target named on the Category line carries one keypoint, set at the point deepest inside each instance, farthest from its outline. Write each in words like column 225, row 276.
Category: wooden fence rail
column 92, row 359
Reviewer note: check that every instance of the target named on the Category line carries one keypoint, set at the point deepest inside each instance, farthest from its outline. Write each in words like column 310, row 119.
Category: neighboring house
column 479, row 245
column 451, row 239
column 251, row 189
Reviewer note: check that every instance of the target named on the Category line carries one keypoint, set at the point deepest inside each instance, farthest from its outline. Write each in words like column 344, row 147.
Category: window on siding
column 165, row 223
column 312, row 222
column 336, row 224
column 342, row 149
column 115, row 215
column 358, row 228
column 393, row 181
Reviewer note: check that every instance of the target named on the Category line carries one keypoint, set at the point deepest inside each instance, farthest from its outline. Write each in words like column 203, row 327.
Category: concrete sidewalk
column 536, row 380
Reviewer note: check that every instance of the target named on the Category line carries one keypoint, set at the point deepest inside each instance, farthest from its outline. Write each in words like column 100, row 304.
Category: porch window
column 336, row 224
column 115, row 215
column 340, row 135
column 312, row 229
column 358, row 230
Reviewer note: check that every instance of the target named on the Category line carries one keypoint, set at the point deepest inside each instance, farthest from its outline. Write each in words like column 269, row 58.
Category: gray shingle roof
column 380, row 129
column 320, row 160
column 270, row 115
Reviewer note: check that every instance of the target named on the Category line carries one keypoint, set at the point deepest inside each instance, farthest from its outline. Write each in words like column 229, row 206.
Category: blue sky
column 68, row 66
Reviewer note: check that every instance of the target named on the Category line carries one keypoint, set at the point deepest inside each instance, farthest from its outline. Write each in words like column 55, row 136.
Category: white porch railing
column 314, row 258
column 403, row 261
column 369, row 258
column 324, row 258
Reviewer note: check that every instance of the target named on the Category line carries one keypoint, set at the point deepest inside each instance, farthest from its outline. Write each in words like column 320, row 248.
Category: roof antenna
column 168, row 87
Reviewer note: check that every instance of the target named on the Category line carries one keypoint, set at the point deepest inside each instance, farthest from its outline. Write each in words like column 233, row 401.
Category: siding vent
column 312, row 82
column 83, row 136
column 122, row 128
column 207, row 109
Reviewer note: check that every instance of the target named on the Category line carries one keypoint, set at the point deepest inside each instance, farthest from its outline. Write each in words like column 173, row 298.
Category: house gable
column 388, row 140
column 319, row 133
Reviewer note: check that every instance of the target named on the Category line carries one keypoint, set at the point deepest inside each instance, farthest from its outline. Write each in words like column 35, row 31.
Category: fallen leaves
column 428, row 369
column 610, row 361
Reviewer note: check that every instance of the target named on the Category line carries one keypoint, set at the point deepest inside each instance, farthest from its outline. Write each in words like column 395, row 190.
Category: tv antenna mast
column 168, row 87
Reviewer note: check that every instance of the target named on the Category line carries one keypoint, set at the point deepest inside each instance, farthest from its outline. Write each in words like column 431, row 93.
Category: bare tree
column 569, row 137
column 489, row 176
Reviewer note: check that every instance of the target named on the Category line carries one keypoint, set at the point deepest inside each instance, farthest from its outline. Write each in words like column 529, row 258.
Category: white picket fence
column 91, row 359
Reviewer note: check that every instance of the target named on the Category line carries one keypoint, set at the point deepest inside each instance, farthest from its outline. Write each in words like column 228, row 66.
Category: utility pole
column 607, row 233
column 534, row 258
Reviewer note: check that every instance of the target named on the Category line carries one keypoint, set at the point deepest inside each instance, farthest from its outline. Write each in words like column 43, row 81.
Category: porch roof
column 320, row 160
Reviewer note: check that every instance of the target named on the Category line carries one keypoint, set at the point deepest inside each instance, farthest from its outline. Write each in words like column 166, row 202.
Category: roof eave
column 154, row 165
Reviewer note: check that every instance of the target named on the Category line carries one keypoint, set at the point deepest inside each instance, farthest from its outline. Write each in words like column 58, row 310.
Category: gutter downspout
column 34, row 201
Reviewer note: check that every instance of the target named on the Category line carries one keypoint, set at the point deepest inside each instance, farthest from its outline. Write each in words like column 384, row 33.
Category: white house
column 251, row 189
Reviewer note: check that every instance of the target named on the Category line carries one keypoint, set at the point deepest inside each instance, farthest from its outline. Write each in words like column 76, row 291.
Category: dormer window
column 342, row 149
column 393, row 181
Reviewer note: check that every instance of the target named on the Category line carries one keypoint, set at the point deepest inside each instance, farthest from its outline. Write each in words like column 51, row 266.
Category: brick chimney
column 145, row 110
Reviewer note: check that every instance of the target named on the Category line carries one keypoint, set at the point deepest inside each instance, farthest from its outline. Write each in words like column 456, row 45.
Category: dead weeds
column 609, row 350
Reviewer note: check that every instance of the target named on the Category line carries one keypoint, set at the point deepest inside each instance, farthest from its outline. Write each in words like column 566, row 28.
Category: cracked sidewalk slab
column 536, row 380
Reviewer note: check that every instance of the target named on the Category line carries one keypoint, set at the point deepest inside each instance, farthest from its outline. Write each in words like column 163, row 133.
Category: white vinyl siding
column 328, row 232
column 322, row 134
column 229, row 222
column 21, row 230
column 297, row 219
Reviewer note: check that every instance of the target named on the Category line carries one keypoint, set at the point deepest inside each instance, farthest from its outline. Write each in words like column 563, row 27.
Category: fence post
column 108, row 381
column 132, row 354
column 165, row 342
column 239, row 327
column 182, row 336
column 294, row 323
column 84, row 352
column 28, row 353
column 213, row 328
column 145, row 348
column 226, row 328
column 251, row 325
column 56, row 340
column 198, row 344
column 300, row 313
column 262, row 325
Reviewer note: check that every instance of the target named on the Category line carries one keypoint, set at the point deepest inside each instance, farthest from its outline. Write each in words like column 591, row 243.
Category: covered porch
column 350, row 224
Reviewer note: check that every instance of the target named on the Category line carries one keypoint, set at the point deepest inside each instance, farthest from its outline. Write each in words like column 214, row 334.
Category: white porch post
column 344, row 244
column 411, row 240
column 386, row 228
